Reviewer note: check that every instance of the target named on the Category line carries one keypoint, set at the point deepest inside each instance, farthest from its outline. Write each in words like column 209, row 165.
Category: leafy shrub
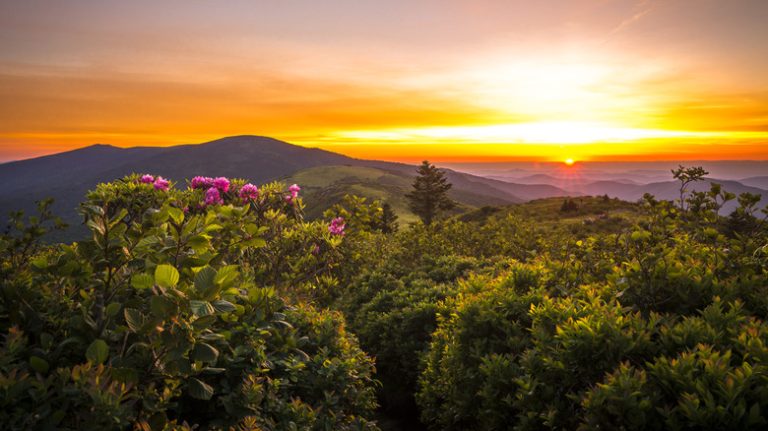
column 175, row 314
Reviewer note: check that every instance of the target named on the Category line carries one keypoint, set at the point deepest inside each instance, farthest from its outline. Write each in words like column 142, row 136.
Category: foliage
column 181, row 311
column 236, row 313
column 687, row 176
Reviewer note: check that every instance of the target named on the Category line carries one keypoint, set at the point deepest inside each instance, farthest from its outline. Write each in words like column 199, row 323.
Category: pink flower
column 212, row 197
column 221, row 183
column 146, row 179
column 161, row 184
column 248, row 191
column 202, row 182
column 294, row 189
column 337, row 226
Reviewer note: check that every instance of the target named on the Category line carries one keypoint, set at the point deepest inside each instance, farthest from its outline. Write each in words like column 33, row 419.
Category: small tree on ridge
column 430, row 193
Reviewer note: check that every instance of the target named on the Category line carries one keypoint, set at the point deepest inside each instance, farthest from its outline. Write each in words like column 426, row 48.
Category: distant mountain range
column 628, row 180
column 68, row 176
column 325, row 177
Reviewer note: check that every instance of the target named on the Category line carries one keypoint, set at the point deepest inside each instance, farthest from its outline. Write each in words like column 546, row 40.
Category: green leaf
column 166, row 276
column 113, row 309
column 134, row 319
column 205, row 353
column 40, row 262
column 199, row 243
column 204, row 322
column 97, row 352
column 38, row 364
column 256, row 243
column 222, row 306
column 142, row 281
column 226, row 276
column 199, row 389
column 201, row 308
column 162, row 306
column 118, row 218
column 204, row 280
column 176, row 215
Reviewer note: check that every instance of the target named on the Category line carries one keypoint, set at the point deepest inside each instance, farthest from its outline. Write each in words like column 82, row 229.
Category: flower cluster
column 337, row 226
column 294, row 189
column 215, row 187
column 219, row 189
column 213, row 197
column 248, row 192
column 202, row 182
column 159, row 183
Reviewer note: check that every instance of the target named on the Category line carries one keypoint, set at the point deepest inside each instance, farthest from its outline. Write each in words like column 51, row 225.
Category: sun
column 569, row 162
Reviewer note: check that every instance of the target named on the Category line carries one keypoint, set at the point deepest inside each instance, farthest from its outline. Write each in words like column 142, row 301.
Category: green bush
column 180, row 313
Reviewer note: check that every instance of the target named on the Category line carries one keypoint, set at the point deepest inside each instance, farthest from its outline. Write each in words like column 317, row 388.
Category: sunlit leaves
column 166, row 275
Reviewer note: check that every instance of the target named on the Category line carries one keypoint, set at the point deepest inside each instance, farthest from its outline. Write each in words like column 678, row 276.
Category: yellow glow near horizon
column 543, row 132
column 569, row 162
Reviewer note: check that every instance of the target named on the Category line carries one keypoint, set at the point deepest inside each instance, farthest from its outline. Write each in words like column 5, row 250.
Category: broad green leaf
column 97, row 352
column 199, row 389
column 38, row 364
column 199, row 243
column 204, row 280
column 205, row 353
column 201, row 308
column 222, row 306
column 40, row 262
column 113, row 309
column 176, row 215
column 162, row 306
column 227, row 275
column 142, row 281
column 166, row 276
column 118, row 218
column 204, row 321
column 134, row 319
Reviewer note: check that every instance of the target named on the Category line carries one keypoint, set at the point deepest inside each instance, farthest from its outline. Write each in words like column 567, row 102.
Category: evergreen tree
column 388, row 223
column 430, row 193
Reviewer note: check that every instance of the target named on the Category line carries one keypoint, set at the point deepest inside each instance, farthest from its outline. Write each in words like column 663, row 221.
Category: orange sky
column 399, row 80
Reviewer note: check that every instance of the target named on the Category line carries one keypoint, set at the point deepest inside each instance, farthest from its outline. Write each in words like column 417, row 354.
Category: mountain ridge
column 67, row 176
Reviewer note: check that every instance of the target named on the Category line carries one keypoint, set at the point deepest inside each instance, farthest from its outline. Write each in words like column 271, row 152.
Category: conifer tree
column 430, row 193
column 388, row 219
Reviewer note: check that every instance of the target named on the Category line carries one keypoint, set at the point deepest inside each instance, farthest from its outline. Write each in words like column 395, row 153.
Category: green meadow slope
column 324, row 186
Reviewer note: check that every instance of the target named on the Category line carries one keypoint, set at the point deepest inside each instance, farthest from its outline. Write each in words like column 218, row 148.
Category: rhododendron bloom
column 202, row 182
column 249, row 191
column 212, row 197
column 146, row 179
column 294, row 189
column 221, row 183
column 161, row 184
column 337, row 226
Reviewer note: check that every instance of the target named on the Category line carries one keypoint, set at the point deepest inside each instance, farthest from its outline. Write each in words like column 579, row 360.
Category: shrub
column 178, row 313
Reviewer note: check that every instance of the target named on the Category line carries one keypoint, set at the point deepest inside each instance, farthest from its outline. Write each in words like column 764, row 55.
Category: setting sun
column 569, row 162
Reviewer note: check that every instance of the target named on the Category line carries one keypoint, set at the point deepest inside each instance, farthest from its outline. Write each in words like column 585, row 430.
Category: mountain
column 668, row 190
column 568, row 183
column 759, row 182
column 68, row 176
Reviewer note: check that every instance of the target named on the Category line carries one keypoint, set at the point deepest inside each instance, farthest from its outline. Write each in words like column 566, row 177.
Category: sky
column 472, row 80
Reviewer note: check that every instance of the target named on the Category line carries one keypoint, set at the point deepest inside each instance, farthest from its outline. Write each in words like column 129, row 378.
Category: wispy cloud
column 641, row 9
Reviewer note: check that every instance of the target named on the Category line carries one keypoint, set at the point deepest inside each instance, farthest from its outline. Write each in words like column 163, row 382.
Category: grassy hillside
column 324, row 186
